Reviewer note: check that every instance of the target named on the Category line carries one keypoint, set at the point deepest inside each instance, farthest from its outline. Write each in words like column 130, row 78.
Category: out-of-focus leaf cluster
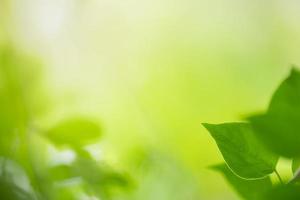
column 251, row 149
column 23, row 175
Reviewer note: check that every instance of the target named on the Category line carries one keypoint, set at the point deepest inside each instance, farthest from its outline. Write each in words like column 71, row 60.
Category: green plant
column 26, row 172
column 251, row 149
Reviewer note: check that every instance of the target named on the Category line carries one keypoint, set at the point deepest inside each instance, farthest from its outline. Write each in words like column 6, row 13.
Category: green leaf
column 284, row 192
column 75, row 132
column 279, row 127
column 243, row 153
column 247, row 189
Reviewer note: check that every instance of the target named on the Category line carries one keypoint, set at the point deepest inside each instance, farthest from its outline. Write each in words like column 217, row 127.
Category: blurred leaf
column 279, row 127
column 100, row 180
column 75, row 132
column 61, row 172
column 8, row 191
column 94, row 173
column 247, row 189
column 83, row 153
column 90, row 171
column 244, row 154
column 63, row 193
column 115, row 178
column 13, row 116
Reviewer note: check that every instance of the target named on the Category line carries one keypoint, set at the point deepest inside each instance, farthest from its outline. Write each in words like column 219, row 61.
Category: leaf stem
column 278, row 176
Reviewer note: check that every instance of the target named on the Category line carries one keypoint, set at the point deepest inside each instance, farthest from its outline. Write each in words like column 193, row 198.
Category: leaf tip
column 294, row 71
column 207, row 126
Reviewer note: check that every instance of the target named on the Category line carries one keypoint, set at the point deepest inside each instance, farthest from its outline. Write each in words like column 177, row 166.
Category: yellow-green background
column 151, row 72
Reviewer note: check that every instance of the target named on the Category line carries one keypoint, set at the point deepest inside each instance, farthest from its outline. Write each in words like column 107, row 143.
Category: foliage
column 251, row 149
column 23, row 173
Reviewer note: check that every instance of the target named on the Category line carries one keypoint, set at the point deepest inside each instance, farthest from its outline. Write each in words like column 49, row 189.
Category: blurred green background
column 149, row 72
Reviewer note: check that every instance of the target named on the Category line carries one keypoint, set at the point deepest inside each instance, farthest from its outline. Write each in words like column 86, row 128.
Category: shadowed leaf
column 283, row 192
column 247, row 189
column 75, row 132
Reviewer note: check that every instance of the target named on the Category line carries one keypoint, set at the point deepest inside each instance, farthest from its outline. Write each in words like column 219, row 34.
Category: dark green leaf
column 283, row 192
column 279, row 127
column 75, row 132
column 247, row 189
column 244, row 154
